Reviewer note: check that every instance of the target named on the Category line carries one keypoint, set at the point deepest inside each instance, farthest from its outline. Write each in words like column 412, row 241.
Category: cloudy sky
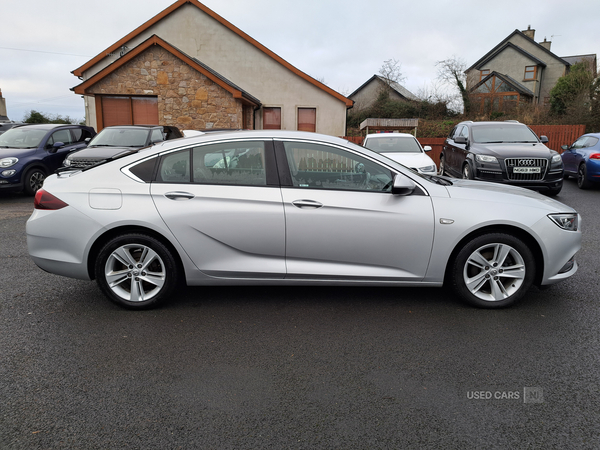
column 340, row 42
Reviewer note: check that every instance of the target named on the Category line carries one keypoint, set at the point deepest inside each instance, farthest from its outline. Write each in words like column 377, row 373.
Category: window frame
column 271, row 170
column 307, row 108
column 483, row 73
column 533, row 72
column 285, row 174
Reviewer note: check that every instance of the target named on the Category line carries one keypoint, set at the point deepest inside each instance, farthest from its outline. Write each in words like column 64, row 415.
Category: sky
column 339, row 42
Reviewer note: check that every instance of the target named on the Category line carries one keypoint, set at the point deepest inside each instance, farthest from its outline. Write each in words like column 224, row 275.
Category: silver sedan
column 293, row 208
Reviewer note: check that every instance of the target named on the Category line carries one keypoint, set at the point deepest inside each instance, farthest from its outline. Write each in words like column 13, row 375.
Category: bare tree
column 390, row 71
column 452, row 72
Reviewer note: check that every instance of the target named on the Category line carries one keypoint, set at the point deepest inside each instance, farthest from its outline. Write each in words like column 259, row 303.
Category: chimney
column 546, row 44
column 529, row 32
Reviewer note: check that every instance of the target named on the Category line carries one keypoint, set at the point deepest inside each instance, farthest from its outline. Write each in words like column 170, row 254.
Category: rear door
column 223, row 204
column 343, row 223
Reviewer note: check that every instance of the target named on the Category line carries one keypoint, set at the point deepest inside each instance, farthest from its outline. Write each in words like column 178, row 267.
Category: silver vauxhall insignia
column 291, row 208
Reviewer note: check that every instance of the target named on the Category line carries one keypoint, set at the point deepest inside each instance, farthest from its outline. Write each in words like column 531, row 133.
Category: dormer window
column 530, row 73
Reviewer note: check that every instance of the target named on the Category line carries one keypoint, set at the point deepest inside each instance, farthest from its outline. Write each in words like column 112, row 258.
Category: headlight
column 427, row 169
column 486, row 158
column 565, row 221
column 7, row 162
column 67, row 162
column 556, row 159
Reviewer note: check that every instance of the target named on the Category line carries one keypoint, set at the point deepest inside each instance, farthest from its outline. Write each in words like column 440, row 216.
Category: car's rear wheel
column 33, row 181
column 582, row 181
column 493, row 270
column 136, row 271
column 467, row 172
column 442, row 168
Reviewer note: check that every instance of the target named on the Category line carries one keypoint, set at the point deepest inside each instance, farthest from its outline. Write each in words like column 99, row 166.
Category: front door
column 343, row 223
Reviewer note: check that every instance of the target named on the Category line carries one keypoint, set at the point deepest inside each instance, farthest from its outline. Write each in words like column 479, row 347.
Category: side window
column 237, row 163
column 317, row 166
column 59, row 136
column 457, row 131
column 156, row 136
column 79, row 134
column 175, row 168
column 464, row 132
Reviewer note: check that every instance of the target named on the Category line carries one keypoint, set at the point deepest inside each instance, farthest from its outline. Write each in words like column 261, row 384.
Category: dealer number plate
column 527, row 169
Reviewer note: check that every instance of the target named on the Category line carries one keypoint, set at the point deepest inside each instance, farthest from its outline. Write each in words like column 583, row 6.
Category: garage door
column 125, row 110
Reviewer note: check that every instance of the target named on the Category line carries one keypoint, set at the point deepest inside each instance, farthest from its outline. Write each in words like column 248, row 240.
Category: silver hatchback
column 293, row 208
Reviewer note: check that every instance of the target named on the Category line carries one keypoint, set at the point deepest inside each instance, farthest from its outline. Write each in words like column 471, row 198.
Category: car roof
column 388, row 135
column 46, row 126
column 509, row 123
column 134, row 127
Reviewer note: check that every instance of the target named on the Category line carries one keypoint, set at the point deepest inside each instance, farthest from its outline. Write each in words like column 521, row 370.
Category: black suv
column 503, row 152
column 115, row 140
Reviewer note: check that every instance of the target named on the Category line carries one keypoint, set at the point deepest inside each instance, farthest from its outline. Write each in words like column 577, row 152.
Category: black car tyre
column 136, row 271
column 442, row 168
column 582, row 181
column 493, row 270
column 467, row 172
column 33, row 181
column 554, row 191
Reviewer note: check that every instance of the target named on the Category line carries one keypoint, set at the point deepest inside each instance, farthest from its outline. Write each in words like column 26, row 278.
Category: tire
column 582, row 181
column 467, row 172
column 493, row 271
column 136, row 271
column 442, row 168
column 33, row 181
column 554, row 192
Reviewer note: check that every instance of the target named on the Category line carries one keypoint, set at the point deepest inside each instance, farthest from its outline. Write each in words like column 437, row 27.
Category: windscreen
column 499, row 134
column 393, row 144
column 22, row 138
column 120, row 137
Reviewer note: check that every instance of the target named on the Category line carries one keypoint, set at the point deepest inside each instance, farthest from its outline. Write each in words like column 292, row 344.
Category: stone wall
column 187, row 99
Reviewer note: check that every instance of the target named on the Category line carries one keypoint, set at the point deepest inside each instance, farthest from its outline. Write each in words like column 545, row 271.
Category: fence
column 557, row 135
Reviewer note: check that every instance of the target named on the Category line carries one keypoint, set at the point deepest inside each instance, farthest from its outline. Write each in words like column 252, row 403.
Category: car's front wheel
column 33, row 181
column 467, row 172
column 136, row 271
column 493, row 270
column 442, row 168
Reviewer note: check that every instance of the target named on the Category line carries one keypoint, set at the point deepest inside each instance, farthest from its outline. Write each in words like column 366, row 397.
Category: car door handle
column 307, row 204
column 179, row 195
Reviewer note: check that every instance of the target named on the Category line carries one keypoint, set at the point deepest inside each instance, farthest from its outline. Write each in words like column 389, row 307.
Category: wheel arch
column 519, row 233
column 129, row 229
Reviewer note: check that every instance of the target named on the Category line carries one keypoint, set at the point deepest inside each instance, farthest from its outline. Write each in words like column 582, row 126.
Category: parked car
column 296, row 209
column 114, row 140
column 582, row 160
column 28, row 153
column 5, row 126
column 502, row 152
column 403, row 148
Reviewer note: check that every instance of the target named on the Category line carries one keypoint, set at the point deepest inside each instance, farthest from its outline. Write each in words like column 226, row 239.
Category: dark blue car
column 582, row 160
column 28, row 153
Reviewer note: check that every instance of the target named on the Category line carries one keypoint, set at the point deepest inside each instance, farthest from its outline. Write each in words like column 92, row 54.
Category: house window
column 530, row 73
column 271, row 118
column 483, row 73
column 307, row 119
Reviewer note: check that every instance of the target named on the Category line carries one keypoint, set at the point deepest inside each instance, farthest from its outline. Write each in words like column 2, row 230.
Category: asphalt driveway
column 306, row 368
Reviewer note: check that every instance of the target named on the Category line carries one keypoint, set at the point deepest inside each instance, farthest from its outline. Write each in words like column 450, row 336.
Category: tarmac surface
column 296, row 368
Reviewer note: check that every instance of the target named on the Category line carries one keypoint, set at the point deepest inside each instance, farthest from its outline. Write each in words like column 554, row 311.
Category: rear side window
column 238, row 163
column 80, row 134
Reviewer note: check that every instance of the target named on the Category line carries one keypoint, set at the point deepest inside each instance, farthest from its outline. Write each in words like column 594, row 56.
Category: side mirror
column 87, row 139
column 544, row 139
column 403, row 185
column 56, row 146
column 564, row 147
column 427, row 148
column 460, row 140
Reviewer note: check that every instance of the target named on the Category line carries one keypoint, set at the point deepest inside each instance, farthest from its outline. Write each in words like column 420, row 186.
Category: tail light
column 595, row 156
column 45, row 200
